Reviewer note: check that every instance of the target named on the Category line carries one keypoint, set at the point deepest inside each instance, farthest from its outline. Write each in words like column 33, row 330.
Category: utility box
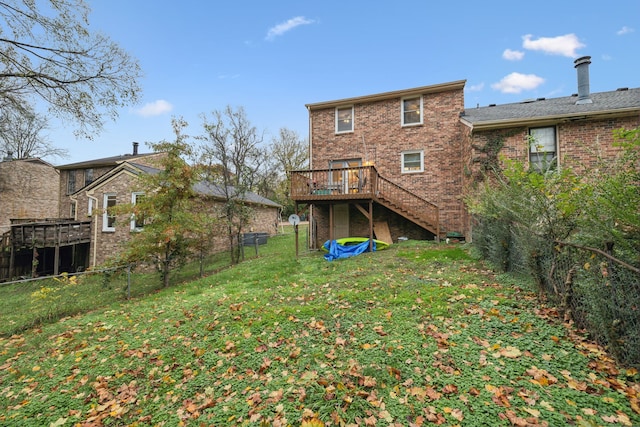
column 252, row 239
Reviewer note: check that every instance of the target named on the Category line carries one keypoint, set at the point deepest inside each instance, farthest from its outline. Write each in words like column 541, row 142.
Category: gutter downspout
column 95, row 230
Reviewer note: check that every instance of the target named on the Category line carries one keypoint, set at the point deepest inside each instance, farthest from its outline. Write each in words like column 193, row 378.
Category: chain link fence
column 596, row 288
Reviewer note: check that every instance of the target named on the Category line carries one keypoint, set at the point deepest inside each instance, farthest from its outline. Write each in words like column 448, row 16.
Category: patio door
column 345, row 175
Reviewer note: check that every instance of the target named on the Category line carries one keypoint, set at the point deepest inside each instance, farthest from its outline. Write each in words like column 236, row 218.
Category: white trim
column 402, row 166
column 105, row 217
column 344, row 107
column 421, row 111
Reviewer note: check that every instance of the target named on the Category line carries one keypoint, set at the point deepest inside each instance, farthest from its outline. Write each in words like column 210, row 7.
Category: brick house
column 28, row 189
column 119, row 186
column 56, row 220
column 400, row 163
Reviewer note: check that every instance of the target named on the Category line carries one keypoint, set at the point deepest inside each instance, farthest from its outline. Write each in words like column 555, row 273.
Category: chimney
column 135, row 148
column 582, row 65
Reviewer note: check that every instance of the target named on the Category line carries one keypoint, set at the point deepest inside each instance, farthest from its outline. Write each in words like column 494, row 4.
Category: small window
column 88, row 176
column 412, row 161
column 71, row 182
column 109, row 218
column 542, row 149
column 90, row 207
column 344, row 119
column 73, row 210
column 412, row 111
column 137, row 220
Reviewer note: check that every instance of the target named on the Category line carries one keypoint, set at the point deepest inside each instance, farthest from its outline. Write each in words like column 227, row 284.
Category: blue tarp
column 336, row 250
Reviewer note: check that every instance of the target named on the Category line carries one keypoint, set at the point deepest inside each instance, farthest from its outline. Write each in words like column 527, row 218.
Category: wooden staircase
column 403, row 202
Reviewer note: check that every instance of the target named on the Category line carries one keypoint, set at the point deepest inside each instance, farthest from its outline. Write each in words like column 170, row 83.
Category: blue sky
column 273, row 57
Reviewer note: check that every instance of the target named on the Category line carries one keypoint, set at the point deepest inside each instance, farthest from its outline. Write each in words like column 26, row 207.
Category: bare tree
column 48, row 53
column 287, row 152
column 21, row 136
column 233, row 158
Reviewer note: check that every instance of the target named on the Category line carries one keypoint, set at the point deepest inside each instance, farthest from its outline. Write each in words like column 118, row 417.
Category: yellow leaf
column 589, row 411
column 533, row 412
column 35, row 368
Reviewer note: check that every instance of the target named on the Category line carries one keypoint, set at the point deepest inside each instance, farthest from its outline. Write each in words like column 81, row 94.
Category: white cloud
column 475, row 88
column 561, row 45
column 624, row 30
column 516, row 83
column 512, row 55
column 292, row 23
column 155, row 108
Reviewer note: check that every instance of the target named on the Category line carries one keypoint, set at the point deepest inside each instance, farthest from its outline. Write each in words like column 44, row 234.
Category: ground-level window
column 108, row 217
column 344, row 119
column 412, row 111
column 412, row 161
column 543, row 149
column 137, row 220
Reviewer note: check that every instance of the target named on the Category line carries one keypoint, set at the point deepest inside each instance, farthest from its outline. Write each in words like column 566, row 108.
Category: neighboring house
column 120, row 186
column 28, row 190
column 76, row 176
column 401, row 163
column 59, row 220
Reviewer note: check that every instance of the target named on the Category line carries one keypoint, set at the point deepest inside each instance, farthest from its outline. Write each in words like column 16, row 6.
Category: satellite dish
column 294, row 219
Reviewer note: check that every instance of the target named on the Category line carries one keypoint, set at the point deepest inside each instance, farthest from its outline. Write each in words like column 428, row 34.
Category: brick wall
column 379, row 137
column 28, row 189
column 579, row 143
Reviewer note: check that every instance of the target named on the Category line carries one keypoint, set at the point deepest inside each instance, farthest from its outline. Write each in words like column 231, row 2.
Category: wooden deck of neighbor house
column 33, row 237
column 361, row 184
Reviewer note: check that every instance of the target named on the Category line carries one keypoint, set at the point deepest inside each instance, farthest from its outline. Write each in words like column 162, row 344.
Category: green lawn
column 417, row 334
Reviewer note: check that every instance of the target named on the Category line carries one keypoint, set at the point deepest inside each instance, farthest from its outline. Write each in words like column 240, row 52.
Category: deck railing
column 363, row 182
column 50, row 233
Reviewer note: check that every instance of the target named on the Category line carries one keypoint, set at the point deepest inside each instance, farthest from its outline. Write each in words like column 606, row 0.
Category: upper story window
column 71, row 182
column 137, row 220
column 72, row 211
column 88, row 176
column 109, row 218
column 543, row 149
column 344, row 119
column 412, row 161
column 412, row 111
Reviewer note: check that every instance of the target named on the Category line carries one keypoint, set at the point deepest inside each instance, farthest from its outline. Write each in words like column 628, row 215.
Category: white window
column 412, row 111
column 109, row 218
column 412, row 161
column 344, row 119
column 137, row 219
column 542, row 149
column 73, row 210
column 90, row 207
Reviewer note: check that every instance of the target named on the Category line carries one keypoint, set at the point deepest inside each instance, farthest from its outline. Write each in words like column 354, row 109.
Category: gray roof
column 614, row 103
column 207, row 188
column 105, row 161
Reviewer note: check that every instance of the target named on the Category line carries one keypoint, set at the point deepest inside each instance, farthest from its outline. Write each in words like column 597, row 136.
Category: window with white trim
column 109, row 218
column 543, row 149
column 137, row 219
column 90, row 207
column 344, row 119
column 73, row 209
column 412, row 161
column 412, row 111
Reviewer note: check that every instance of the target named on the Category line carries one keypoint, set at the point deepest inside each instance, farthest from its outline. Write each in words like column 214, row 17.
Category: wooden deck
column 49, row 233
column 363, row 183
